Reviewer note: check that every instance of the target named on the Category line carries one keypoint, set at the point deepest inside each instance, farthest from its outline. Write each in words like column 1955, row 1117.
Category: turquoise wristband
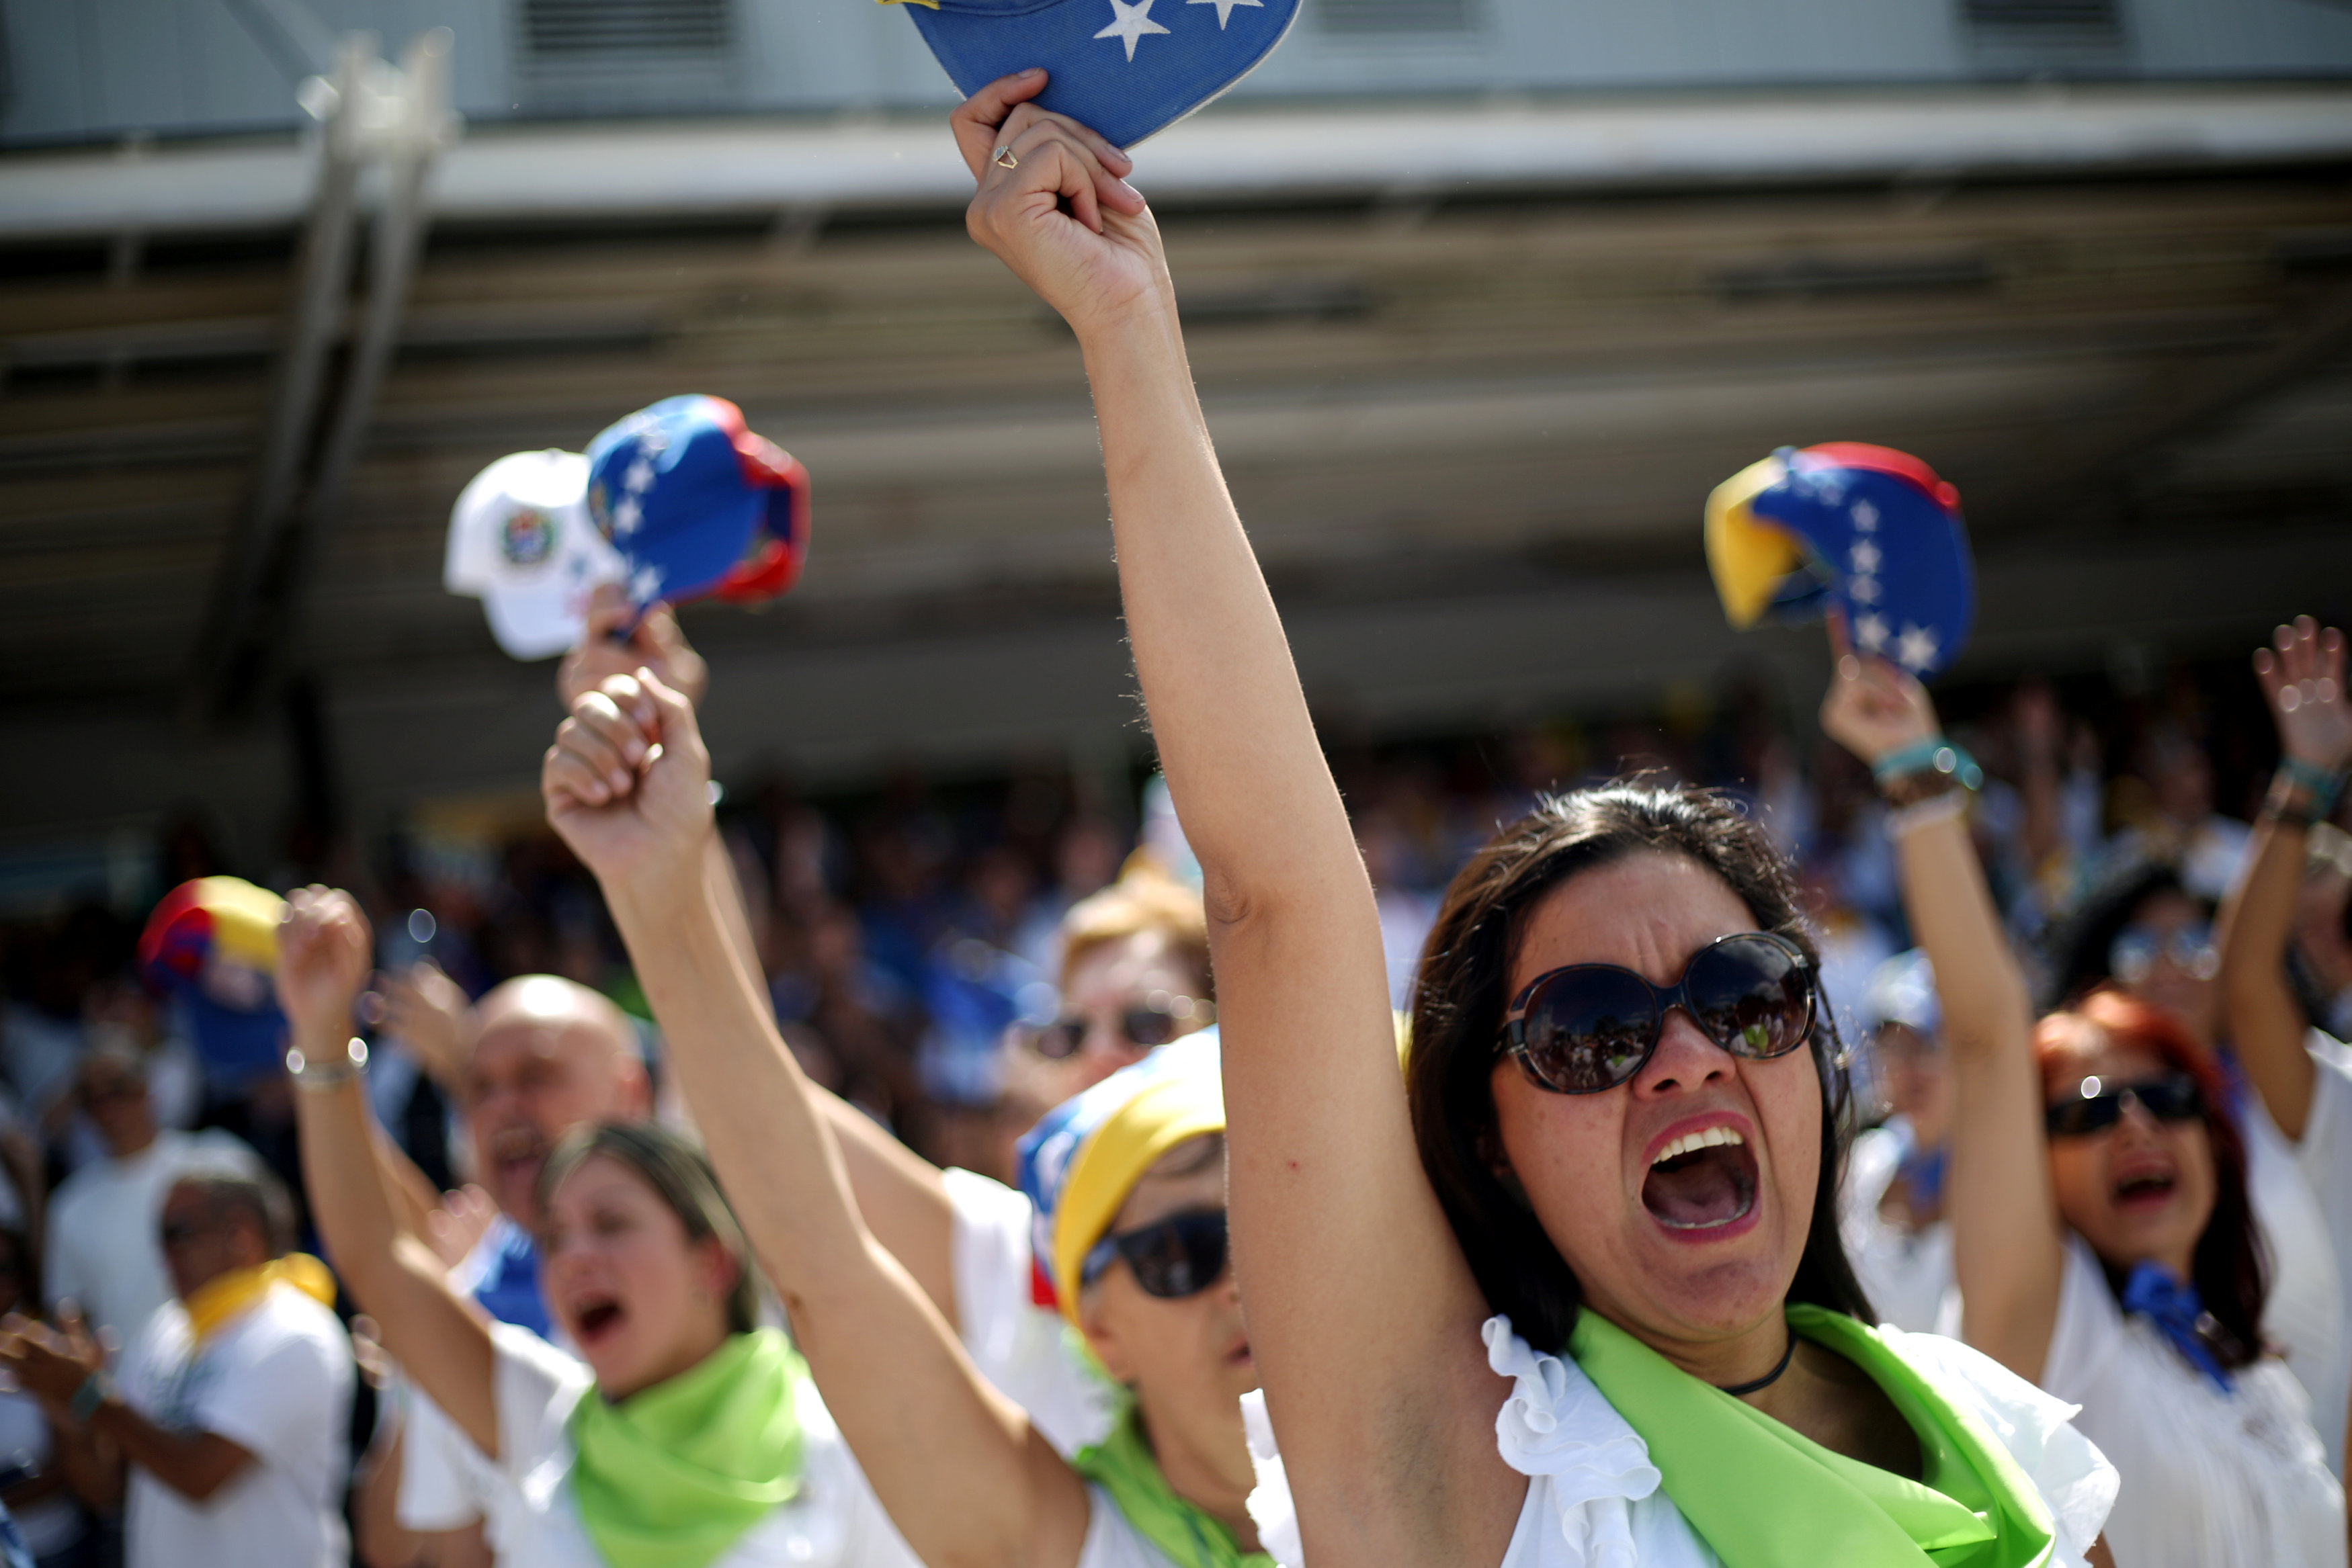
column 94, row 1392
column 2323, row 787
column 1934, row 754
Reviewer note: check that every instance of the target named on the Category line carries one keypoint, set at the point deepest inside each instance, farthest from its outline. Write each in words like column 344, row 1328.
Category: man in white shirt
column 103, row 1253
column 235, row 1400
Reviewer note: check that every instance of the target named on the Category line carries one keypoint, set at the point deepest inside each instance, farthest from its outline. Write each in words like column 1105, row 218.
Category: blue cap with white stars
column 1125, row 68
column 697, row 505
column 1866, row 530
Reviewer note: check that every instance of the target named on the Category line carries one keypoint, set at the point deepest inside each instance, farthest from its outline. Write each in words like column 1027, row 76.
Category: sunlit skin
column 2197, row 1003
column 1708, row 1301
column 551, row 1056
column 641, row 1302
column 1102, row 986
column 2150, row 1224
column 1188, row 1360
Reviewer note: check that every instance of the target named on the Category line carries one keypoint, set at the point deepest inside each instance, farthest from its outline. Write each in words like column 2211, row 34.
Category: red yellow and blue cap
column 1865, row 529
column 696, row 505
column 213, row 945
column 1125, row 68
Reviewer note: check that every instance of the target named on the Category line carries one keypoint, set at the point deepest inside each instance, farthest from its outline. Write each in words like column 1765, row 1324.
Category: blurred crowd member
column 2178, row 824
column 234, row 1404
column 965, row 1481
column 1892, row 1197
column 682, row 1433
column 2103, row 1239
column 45, row 1484
column 2323, row 927
column 1086, row 854
column 1134, row 976
column 103, row 1256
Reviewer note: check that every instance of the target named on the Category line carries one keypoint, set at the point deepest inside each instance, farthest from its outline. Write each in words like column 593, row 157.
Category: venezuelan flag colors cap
column 1866, row 530
column 697, row 505
column 1125, row 68
column 212, row 943
column 520, row 541
column 1086, row 1154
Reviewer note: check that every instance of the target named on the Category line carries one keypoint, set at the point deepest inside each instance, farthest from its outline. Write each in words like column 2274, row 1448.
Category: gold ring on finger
column 1004, row 157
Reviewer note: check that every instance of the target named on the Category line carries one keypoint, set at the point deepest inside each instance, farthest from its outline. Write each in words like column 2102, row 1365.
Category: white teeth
column 1691, row 1143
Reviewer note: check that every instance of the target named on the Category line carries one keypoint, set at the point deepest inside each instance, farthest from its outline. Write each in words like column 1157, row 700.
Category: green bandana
column 672, row 1476
column 1186, row 1533
column 1764, row 1496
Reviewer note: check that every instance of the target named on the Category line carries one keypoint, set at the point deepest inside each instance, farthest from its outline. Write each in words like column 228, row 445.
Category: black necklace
column 1739, row 1390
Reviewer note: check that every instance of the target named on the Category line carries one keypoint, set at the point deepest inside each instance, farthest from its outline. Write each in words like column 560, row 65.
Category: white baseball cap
column 520, row 541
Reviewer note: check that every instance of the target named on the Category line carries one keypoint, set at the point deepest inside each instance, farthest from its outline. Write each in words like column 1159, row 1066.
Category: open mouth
column 1702, row 1181
column 2144, row 1190
column 519, row 1150
column 595, row 1318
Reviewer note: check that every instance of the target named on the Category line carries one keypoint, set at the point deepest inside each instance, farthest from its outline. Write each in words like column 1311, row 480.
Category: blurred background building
column 1483, row 296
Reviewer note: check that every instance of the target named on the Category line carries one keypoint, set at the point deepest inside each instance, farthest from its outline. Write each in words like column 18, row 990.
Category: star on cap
column 1865, row 517
column 645, row 583
column 640, row 476
column 1226, row 7
column 1864, row 557
column 1917, row 648
column 1861, row 590
column 1129, row 24
column 626, row 516
column 1870, row 631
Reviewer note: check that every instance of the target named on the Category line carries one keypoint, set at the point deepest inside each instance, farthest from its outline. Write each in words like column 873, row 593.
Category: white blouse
column 1593, row 1499
column 2209, row 1479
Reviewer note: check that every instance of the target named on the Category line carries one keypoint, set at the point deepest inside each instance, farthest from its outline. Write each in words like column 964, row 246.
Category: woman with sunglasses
column 2103, row 1236
column 1127, row 1178
column 1576, row 1293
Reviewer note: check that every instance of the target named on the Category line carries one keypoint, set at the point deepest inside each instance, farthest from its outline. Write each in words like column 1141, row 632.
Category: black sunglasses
column 1591, row 1026
column 2172, row 1098
column 1158, row 1020
column 1181, row 1256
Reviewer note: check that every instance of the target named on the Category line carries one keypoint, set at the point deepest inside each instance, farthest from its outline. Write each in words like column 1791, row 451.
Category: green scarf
column 1764, row 1496
column 672, row 1476
column 1186, row 1533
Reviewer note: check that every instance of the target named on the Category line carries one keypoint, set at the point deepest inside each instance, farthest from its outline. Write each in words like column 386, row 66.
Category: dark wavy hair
column 2079, row 945
column 1464, row 987
column 2230, row 1269
column 681, row 1177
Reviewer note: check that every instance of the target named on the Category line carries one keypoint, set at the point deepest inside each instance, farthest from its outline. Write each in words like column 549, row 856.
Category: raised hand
column 2302, row 681
column 427, row 1012
column 1095, row 262
column 1872, row 708
column 323, row 960
column 627, row 782
column 655, row 644
column 51, row 1364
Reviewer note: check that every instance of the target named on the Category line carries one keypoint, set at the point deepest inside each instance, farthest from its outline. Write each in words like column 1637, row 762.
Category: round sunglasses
column 2175, row 1097
column 2132, row 956
column 1158, row 1019
column 1180, row 1256
column 1591, row 1026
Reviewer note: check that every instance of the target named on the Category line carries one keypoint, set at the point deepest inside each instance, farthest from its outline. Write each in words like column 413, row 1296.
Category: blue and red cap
column 1864, row 530
column 697, row 505
column 1125, row 68
column 212, row 943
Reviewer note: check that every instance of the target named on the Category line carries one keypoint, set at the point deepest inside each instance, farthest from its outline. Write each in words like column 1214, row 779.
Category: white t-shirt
column 2210, row 1479
column 1593, row 1497
column 103, row 1252
column 1027, row 1350
column 2305, row 1314
column 1905, row 1273
column 834, row 1521
column 277, row 1381
column 26, row 1444
column 2325, row 1157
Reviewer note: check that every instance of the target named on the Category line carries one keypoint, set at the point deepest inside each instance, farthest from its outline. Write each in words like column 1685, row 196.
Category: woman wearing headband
column 1578, row 1295
column 2103, row 1235
column 682, row 1435
column 1127, row 1178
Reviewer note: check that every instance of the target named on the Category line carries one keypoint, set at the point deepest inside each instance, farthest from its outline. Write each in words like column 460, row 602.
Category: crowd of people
column 1893, row 1139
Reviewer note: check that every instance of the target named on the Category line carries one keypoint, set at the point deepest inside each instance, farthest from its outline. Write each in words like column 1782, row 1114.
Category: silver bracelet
column 328, row 1072
column 1904, row 821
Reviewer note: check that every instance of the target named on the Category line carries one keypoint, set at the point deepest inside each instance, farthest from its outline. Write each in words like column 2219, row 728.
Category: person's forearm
column 2256, row 923
column 1979, row 984
column 343, row 1178
column 1235, row 738
column 195, row 1465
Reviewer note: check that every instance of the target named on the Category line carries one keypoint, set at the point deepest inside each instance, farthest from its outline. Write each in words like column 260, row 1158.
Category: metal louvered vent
column 1376, row 17
column 2057, row 23
column 628, row 54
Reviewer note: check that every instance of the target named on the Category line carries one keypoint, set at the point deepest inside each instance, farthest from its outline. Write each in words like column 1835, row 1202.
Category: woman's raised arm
column 959, row 1468
column 1363, row 1315
column 2006, row 1238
